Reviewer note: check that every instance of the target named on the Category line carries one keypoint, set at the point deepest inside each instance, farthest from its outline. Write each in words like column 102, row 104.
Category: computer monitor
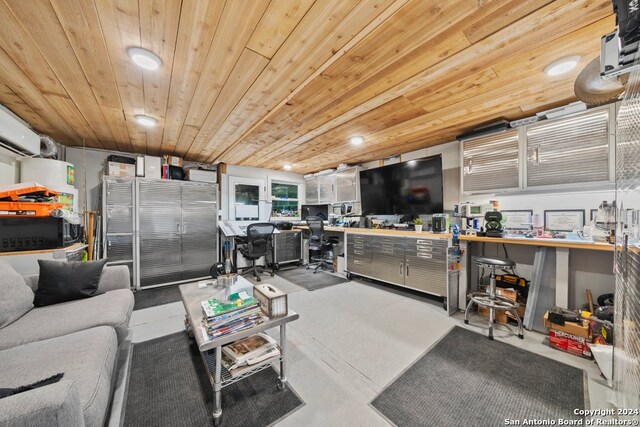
column 321, row 211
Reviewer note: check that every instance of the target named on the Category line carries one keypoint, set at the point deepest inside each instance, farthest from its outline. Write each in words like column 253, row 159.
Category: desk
column 545, row 267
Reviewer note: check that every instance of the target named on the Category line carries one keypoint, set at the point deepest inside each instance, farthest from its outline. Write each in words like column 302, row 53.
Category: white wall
column 9, row 167
column 265, row 175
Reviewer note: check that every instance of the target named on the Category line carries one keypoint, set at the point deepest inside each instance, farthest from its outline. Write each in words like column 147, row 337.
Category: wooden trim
column 554, row 243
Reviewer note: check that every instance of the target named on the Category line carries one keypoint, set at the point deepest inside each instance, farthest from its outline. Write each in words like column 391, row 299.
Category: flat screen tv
column 408, row 188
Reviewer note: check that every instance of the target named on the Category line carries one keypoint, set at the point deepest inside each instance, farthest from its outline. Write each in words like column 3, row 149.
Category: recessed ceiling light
column 412, row 163
column 146, row 120
column 144, row 58
column 562, row 65
column 357, row 140
column 287, row 166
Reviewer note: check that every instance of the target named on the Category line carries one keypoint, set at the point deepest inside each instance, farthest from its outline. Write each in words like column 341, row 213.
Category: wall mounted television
column 408, row 188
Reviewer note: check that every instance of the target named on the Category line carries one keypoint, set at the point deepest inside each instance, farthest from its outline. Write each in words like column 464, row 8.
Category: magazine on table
column 235, row 370
column 249, row 350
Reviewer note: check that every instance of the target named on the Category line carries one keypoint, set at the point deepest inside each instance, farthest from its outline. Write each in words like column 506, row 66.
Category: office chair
column 319, row 245
column 259, row 243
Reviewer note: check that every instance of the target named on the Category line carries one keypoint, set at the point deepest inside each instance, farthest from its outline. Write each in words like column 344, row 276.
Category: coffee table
column 211, row 349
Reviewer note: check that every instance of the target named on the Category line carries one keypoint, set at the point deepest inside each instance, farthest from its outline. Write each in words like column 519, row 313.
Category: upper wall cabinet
column 320, row 189
column 348, row 185
column 490, row 163
column 311, row 190
column 559, row 153
column 569, row 150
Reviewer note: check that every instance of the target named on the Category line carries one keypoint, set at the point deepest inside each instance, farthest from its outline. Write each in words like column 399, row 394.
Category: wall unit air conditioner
column 16, row 136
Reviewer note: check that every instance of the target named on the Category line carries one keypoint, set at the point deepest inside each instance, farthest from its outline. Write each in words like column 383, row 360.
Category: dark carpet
column 156, row 296
column 312, row 282
column 468, row 380
column 168, row 386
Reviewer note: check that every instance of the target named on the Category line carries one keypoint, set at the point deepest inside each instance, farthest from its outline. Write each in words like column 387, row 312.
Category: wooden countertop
column 73, row 247
column 385, row 232
column 554, row 243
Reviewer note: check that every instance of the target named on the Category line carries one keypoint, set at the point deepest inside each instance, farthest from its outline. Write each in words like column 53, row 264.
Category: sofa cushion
column 87, row 358
column 16, row 298
column 112, row 308
column 67, row 281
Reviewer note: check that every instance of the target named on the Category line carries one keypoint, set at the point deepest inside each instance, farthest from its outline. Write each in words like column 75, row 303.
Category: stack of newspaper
column 242, row 311
column 249, row 353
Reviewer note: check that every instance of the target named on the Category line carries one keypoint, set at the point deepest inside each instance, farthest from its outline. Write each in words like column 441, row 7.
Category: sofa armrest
column 114, row 277
column 54, row 405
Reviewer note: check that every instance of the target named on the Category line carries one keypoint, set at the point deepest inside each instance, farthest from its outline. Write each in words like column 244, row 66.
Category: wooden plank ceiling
column 268, row 82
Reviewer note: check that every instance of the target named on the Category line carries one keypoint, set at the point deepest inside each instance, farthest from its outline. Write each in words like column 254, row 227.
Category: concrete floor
column 352, row 339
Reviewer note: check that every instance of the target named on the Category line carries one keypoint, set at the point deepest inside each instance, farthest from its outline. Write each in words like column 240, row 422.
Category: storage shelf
column 225, row 375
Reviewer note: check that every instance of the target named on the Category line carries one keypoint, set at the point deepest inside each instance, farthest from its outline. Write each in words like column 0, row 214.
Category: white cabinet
column 348, row 185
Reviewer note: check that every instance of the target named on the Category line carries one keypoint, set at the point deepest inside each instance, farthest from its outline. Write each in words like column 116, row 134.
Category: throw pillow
column 16, row 297
column 6, row 392
column 67, row 281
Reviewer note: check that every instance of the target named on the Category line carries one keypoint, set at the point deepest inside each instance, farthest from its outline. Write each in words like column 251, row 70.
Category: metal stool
column 490, row 299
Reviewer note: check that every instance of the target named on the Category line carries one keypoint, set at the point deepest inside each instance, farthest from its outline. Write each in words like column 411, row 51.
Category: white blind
column 571, row 150
column 491, row 162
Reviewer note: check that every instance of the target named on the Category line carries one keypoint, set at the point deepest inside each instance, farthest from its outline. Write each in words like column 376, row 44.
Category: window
column 284, row 200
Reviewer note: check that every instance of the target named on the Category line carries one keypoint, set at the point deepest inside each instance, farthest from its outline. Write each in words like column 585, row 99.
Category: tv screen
column 315, row 210
column 409, row 188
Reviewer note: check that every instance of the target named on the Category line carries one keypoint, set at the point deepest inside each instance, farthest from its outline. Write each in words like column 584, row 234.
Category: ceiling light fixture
column 287, row 166
column 562, row 65
column 144, row 58
column 357, row 140
column 146, row 120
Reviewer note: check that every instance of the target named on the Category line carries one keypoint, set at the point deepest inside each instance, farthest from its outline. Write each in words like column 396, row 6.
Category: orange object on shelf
column 15, row 194
column 29, row 209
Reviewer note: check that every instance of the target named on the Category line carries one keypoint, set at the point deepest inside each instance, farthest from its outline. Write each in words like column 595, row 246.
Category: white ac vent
column 16, row 136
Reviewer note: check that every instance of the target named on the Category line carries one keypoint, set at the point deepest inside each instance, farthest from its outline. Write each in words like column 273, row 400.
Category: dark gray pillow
column 67, row 281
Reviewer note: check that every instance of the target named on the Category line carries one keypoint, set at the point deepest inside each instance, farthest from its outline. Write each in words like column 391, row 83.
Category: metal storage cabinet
column 118, row 221
column 311, row 190
column 287, row 247
column 388, row 258
column 326, row 189
column 359, row 254
column 347, row 185
column 426, row 265
column 199, row 229
column 159, row 231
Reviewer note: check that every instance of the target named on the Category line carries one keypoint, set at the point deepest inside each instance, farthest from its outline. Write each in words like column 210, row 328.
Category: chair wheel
column 258, row 279
column 491, row 338
column 466, row 322
column 272, row 274
column 521, row 336
column 315, row 271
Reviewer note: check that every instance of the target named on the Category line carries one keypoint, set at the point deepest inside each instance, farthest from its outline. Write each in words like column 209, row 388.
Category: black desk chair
column 258, row 244
column 320, row 246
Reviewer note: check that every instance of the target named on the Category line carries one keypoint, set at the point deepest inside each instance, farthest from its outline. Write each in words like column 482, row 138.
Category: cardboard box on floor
column 570, row 337
column 501, row 315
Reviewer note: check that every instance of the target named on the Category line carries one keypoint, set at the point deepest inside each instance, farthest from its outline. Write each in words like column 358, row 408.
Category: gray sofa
column 78, row 338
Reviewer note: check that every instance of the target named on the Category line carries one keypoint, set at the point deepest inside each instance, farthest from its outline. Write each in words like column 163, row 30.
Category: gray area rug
column 156, row 296
column 168, row 386
column 312, row 282
column 468, row 380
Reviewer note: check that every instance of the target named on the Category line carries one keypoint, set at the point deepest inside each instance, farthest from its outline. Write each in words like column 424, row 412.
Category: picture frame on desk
column 564, row 220
column 518, row 219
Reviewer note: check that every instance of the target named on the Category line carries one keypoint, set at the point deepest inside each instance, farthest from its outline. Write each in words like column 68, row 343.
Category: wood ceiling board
column 158, row 33
column 550, row 22
column 246, row 70
column 499, row 14
column 279, row 20
column 120, row 24
column 198, row 23
column 389, row 12
column 52, row 42
column 69, row 110
column 13, row 77
column 371, row 67
column 13, row 102
column 326, row 28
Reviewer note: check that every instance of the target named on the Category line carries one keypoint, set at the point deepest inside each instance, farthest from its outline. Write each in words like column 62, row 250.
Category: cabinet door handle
column 184, row 228
column 401, row 269
column 407, row 270
column 178, row 228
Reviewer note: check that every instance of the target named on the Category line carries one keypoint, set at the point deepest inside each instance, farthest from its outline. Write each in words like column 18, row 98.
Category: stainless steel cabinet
column 320, row 189
column 359, row 254
column 416, row 263
column 177, row 230
column 118, row 221
column 348, row 185
column 287, row 246
column 311, row 190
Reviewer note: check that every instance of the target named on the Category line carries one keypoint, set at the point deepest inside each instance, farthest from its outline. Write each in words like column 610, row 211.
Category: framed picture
column 518, row 219
column 592, row 214
column 564, row 220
